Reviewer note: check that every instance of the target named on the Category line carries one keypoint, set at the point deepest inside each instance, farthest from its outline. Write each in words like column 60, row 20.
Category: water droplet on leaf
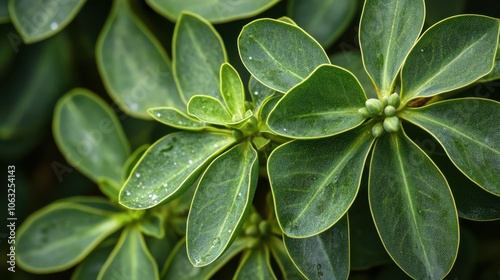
column 137, row 174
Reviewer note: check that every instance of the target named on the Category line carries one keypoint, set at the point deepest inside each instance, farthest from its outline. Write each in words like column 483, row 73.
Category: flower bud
column 377, row 130
column 374, row 106
column 391, row 124
column 364, row 113
column 394, row 100
column 389, row 111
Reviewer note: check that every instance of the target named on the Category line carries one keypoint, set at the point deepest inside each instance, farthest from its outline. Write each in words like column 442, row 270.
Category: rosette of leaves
column 316, row 178
column 105, row 239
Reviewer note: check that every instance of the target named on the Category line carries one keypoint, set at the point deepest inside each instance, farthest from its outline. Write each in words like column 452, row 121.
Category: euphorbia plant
column 316, row 178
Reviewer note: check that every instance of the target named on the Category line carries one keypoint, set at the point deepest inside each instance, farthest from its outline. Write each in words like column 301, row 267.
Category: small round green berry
column 364, row 112
column 374, row 106
column 264, row 228
column 391, row 124
column 377, row 130
column 394, row 100
column 252, row 231
column 389, row 111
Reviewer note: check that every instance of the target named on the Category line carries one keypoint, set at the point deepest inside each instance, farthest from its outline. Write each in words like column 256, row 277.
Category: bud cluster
column 385, row 111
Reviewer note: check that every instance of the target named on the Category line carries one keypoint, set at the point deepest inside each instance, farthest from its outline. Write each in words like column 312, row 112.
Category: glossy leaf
column 215, row 11
column 179, row 267
column 411, row 205
column 324, row 20
column 176, row 118
column 89, row 268
column 38, row 20
column 280, row 255
column 232, row 90
column 258, row 92
column 266, row 46
column 324, row 104
column 315, row 182
column 387, row 32
column 464, row 129
column 130, row 259
column 132, row 161
column 495, row 72
column 208, row 109
column 136, row 80
column 255, row 264
column 198, row 52
column 170, row 166
column 323, row 256
column 223, row 196
column 153, row 224
column 61, row 234
column 90, row 136
column 436, row 64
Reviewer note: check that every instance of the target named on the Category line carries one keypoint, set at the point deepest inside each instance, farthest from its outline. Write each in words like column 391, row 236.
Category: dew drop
column 314, row 178
column 54, row 26
column 229, row 230
column 250, row 57
column 165, row 185
column 128, row 193
column 216, row 241
column 158, row 115
column 190, row 161
column 421, row 50
column 216, row 145
column 284, row 129
column 154, row 197
column 137, row 174
column 256, row 93
column 239, row 195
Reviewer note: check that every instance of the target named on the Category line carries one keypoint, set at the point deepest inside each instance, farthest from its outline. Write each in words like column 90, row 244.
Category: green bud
column 374, row 106
column 255, row 218
column 364, row 112
column 377, row 130
column 394, row 100
column 264, row 228
column 385, row 101
column 389, row 111
column 252, row 231
column 391, row 124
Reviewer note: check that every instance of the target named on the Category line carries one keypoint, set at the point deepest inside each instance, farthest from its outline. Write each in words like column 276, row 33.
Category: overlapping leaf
column 232, row 90
column 255, row 264
column 208, row 109
column 176, row 118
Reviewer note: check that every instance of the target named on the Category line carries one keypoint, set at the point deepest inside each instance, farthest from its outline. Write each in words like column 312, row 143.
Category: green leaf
column 315, row 182
column 160, row 249
column 208, row 109
column 109, row 188
column 259, row 92
column 223, row 196
column 324, row 20
column 323, row 256
column 495, row 72
column 130, row 259
column 388, row 30
column 89, row 135
column 96, row 203
column 464, row 128
column 38, row 20
column 412, row 205
column 266, row 108
column 133, row 65
column 437, row 62
column 255, row 264
column 266, row 47
column 353, row 62
column 4, row 11
column 231, row 88
column 176, row 118
column 170, row 166
column 324, row 104
column 61, row 234
column 198, row 52
column 132, row 161
column 179, row 267
column 89, row 268
column 153, row 224
column 217, row 11
column 283, row 260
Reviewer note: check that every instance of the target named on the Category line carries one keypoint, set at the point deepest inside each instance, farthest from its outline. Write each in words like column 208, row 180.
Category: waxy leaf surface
column 387, row 32
column 465, row 128
column 176, row 118
column 283, row 260
column 278, row 54
column 208, row 109
column 198, row 52
column 136, row 80
column 170, row 166
column 450, row 55
column 232, row 90
column 324, row 104
column 315, row 182
column 255, row 264
column 413, row 208
column 323, row 256
column 223, row 196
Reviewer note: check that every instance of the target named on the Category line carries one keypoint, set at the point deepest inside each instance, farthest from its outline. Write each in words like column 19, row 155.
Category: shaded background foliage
column 33, row 77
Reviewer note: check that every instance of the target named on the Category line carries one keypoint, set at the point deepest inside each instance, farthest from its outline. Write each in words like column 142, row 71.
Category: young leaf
column 323, row 256
column 136, row 80
column 283, row 260
column 90, row 136
column 266, row 46
column 217, row 11
column 198, row 52
column 324, row 20
column 223, row 196
column 388, row 30
column 132, row 161
column 438, row 61
column 464, row 129
column 179, row 267
column 130, row 259
column 324, row 104
column 170, row 166
column 232, row 90
column 153, row 224
column 38, row 20
column 176, row 118
column 89, row 268
column 208, row 109
column 255, row 264
column 315, row 182
column 60, row 235
column 411, row 205
column 258, row 92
